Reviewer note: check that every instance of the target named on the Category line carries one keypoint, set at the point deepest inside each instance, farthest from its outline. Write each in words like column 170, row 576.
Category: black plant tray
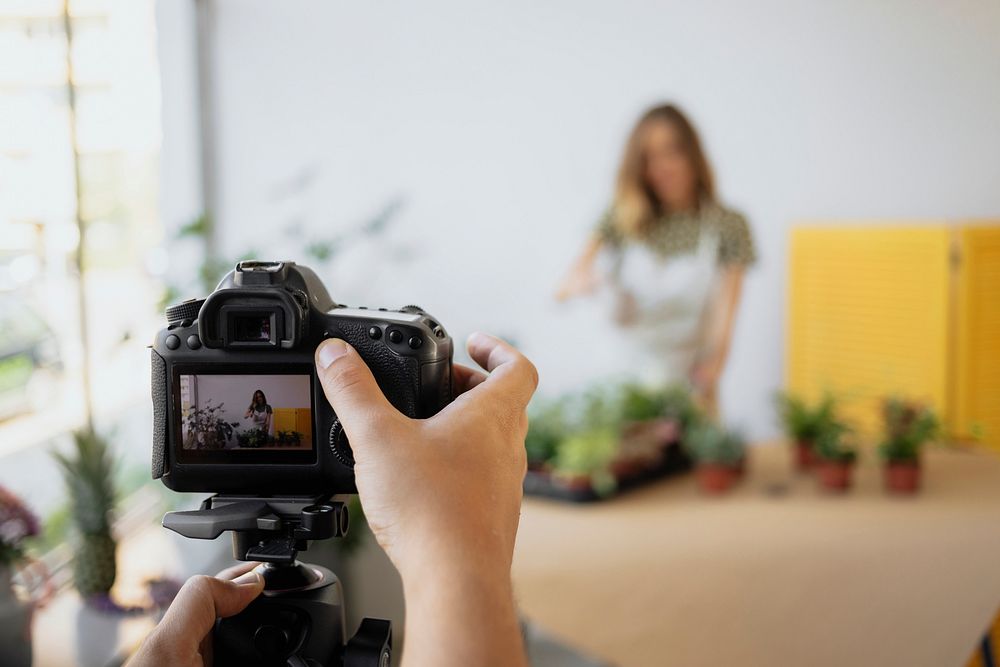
column 542, row 484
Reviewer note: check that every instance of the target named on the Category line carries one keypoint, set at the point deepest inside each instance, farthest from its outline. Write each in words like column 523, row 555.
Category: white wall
column 500, row 125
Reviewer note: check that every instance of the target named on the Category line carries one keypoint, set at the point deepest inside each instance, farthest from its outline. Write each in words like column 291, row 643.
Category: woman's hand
column 580, row 281
column 582, row 278
column 184, row 637
column 443, row 496
column 704, row 377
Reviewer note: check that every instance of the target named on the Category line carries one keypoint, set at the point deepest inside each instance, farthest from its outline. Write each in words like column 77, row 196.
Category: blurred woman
column 672, row 256
column 259, row 412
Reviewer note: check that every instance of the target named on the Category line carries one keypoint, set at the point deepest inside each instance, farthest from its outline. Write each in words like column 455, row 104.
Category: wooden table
column 776, row 573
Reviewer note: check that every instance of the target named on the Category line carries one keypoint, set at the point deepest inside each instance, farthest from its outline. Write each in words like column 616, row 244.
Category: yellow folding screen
column 877, row 310
column 975, row 408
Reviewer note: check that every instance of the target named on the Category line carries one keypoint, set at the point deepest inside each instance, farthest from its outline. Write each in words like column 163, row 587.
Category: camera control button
column 194, row 342
column 172, row 342
column 374, row 333
column 415, row 342
column 395, row 336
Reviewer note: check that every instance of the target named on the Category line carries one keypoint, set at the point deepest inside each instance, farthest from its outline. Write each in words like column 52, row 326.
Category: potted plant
column 804, row 423
column 206, row 428
column 88, row 473
column 835, row 457
column 718, row 454
column 908, row 426
column 17, row 524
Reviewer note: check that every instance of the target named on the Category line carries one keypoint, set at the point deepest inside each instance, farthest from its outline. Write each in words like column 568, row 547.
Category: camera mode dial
column 416, row 310
column 339, row 445
column 185, row 311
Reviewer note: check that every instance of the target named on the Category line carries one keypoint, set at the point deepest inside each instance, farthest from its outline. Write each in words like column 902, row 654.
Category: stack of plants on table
column 590, row 445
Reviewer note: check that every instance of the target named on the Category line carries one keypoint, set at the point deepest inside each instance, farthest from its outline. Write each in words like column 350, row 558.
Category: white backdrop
column 499, row 126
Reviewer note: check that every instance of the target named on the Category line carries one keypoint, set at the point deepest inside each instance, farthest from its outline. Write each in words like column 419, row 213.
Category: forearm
column 729, row 302
column 461, row 617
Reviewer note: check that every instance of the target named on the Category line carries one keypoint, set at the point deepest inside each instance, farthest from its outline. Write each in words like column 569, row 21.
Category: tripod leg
column 371, row 645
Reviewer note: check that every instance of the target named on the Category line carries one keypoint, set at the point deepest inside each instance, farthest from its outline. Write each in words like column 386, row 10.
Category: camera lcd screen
column 245, row 418
column 252, row 328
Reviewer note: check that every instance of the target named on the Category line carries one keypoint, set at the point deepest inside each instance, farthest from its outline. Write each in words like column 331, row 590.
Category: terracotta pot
column 805, row 456
column 835, row 475
column 741, row 467
column 715, row 478
column 902, row 476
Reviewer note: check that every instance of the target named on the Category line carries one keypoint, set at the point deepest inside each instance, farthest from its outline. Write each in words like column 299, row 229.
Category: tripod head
column 269, row 529
column 277, row 629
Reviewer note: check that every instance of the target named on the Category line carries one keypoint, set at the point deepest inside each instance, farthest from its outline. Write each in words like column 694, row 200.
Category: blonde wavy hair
column 636, row 208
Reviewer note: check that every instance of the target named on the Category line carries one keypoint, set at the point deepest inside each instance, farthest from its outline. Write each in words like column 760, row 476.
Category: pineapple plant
column 88, row 473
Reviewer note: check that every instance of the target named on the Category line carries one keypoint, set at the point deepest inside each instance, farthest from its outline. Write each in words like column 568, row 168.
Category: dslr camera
column 237, row 405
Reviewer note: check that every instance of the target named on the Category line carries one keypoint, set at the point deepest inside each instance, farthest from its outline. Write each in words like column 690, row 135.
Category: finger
column 236, row 570
column 351, row 389
column 202, row 599
column 466, row 378
column 510, row 372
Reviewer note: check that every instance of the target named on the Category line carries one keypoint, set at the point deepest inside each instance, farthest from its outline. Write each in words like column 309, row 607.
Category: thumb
column 203, row 599
column 351, row 389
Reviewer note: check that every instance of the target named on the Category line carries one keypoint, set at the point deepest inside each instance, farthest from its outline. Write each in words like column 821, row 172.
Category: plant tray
column 540, row 483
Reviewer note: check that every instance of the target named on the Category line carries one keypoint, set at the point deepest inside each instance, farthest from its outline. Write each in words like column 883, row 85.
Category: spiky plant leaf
column 88, row 472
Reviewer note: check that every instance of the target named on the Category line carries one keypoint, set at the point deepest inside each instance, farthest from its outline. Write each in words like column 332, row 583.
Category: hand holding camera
column 372, row 412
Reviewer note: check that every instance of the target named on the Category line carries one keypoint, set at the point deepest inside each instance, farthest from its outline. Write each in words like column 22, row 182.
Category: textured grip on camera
column 158, row 382
column 398, row 376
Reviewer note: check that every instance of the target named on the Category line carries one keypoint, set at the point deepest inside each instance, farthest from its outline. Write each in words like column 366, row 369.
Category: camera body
column 237, row 405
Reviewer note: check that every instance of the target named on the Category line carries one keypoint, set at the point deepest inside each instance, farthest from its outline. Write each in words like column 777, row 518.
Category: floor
column 775, row 573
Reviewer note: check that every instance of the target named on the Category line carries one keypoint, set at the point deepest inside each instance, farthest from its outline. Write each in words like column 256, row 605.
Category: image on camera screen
column 234, row 413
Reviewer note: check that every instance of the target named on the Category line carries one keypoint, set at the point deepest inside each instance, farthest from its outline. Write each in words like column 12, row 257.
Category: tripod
column 298, row 621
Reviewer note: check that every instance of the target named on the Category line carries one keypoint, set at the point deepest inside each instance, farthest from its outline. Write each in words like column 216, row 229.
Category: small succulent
column 709, row 442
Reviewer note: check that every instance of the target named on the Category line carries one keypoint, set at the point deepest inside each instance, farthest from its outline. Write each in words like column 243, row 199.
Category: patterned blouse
column 678, row 234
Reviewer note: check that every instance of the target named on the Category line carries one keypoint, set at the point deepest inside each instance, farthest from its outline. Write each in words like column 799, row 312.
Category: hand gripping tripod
column 298, row 621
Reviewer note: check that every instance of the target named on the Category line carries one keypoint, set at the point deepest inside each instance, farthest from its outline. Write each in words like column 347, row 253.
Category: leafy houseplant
column 88, row 473
column 206, row 428
column 836, row 457
column 804, row 423
column 718, row 453
column 908, row 426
